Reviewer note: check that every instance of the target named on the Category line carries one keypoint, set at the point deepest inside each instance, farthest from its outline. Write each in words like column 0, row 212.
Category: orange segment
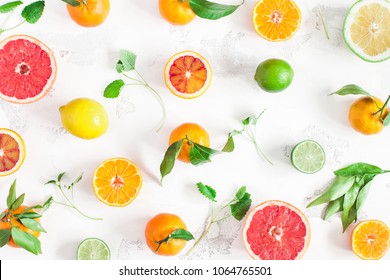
column 370, row 240
column 12, row 151
column 187, row 74
column 276, row 20
column 117, row 182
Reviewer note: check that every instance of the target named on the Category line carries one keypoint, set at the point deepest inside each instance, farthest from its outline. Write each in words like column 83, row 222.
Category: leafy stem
column 176, row 234
column 382, row 109
column 69, row 200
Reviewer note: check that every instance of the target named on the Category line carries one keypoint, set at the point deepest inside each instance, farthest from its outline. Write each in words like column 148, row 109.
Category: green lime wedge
column 93, row 249
column 308, row 157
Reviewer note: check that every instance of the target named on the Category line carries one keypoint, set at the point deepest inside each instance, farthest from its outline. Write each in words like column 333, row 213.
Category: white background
column 86, row 64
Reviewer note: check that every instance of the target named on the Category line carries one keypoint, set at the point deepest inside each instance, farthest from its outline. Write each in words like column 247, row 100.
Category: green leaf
column 9, row 7
column 235, row 132
column 32, row 224
column 170, row 157
column 126, row 61
column 350, row 197
column 181, row 234
column 359, row 168
column 114, row 88
column 2, row 215
column 240, row 193
column 333, row 207
column 207, row 191
column 47, row 204
column 362, row 196
column 26, row 210
column 11, row 195
column 28, row 215
column 33, row 12
column 210, row 10
column 51, row 182
column 348, row 217
column 27, row 241
column 5, row 235
column 386, row 121
column 60, row 176
column 73, row 3
column 229, row 146
column 338, row 188
column 351, row 89
column 241, row 207
column 17, row 202
column 78, row 179
column 200, row 154
column 246, row 121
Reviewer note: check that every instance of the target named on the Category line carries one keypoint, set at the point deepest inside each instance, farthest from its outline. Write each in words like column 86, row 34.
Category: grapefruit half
column 27, row 69
column 187, row 74
column 12, row 151
column 276, row 230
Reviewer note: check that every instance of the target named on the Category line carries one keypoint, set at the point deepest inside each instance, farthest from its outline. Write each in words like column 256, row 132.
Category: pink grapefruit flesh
column 12, row 151
column 27, row 69
column 276, row 230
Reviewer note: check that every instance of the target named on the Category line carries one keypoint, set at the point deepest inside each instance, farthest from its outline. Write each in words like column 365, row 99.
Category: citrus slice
column 276, row 20
column 27, row 69
column 12, row 151
column 308, row 157
column 93, row 249
column 117, row 182
column 187, row 74
column 276, row 230
column 370, row 239
column 367, row 29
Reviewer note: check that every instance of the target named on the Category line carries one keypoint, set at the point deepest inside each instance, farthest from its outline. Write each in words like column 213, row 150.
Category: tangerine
column 89, row 13
column 191, row 133
column 176, row 12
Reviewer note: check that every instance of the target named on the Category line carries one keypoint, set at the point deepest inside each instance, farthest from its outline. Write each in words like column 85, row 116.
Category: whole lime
column 274, row 75
column 84, row 118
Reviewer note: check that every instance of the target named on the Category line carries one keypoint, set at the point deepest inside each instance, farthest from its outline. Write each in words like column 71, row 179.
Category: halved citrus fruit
column 12, row 151
column 367, row 29
column 27, row 69
column 276, row 230
column 187, row 74
column 370, row 239
column 276, row 20
column 117, row 182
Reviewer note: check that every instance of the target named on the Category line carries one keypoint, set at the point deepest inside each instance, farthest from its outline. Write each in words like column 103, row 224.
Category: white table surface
column 86, row 64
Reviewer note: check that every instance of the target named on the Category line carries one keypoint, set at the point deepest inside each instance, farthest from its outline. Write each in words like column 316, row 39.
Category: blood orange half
column 276, row 230
column 27, row 69
column 12, row 151
column 187, row 74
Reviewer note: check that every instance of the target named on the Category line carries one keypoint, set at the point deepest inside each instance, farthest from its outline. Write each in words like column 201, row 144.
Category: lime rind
column 93, row 249
column 308, row 157
column 347, row 35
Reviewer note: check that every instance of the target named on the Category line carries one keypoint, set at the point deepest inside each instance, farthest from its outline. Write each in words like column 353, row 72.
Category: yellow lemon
column 84, row 118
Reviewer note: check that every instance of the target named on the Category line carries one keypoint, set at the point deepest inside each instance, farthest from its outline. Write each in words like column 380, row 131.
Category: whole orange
column 160, row 227
column 89, row 13
column 364, row 116
column 5, row 223
column 176, row 12
column 195, row 133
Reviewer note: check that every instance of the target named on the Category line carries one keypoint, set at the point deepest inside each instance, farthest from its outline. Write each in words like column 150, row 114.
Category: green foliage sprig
column 211, row 10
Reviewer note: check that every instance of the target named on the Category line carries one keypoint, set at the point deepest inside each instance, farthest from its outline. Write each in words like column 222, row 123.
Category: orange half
column 117, row 182
column 12, row 151
column 187, row 74
column 276, row 20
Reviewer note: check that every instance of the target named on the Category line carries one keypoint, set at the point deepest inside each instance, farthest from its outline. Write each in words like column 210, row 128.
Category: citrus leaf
column 333, row 207
column 2, row 215
column 348, row 217
column 181, row 234
column 351, row 89
column 207, row 191
column 33, row 12
column 17, row 202
column 350, row 197
column 31, row 208
column 361, row 198
column 200, row 154
column 210, row 10
column 386, row 121
column 229, row 146
column 47, row 204
column 114, row 88
column 73, row 3
column 170, row 157
column 240, row 193
column 32, row 224
column 11, row 195
column 338, row 188
column 9, row 7
column 241, row 207
column 126, row 60
column 359, row 168
column 28, row 215
column 27, row 241
column 5, row 235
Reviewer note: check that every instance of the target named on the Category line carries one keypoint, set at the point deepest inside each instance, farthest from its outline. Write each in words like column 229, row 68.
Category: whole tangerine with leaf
column 88, row 13
column 368, row 114
column 166, row 234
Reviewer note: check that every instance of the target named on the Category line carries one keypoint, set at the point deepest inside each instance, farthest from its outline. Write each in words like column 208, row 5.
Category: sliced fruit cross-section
column 12, row 151
column 93, row 249
column 308, row 157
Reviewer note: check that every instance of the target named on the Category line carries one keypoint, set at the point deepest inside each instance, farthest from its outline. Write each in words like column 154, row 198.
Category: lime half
column 308, row 157
column 367, row 29
column 93, row 249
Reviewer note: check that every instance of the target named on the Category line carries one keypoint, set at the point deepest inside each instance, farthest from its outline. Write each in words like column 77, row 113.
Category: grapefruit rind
column 22, row 150
column 348, row 21
column 173, row 89
column 46, row 89
column 276, row 203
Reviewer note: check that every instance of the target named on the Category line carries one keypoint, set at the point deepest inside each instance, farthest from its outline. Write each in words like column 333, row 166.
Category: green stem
column 382, row 108
column 323, row 24
column 252, row 138
column 11, row 28
column 205, row 232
